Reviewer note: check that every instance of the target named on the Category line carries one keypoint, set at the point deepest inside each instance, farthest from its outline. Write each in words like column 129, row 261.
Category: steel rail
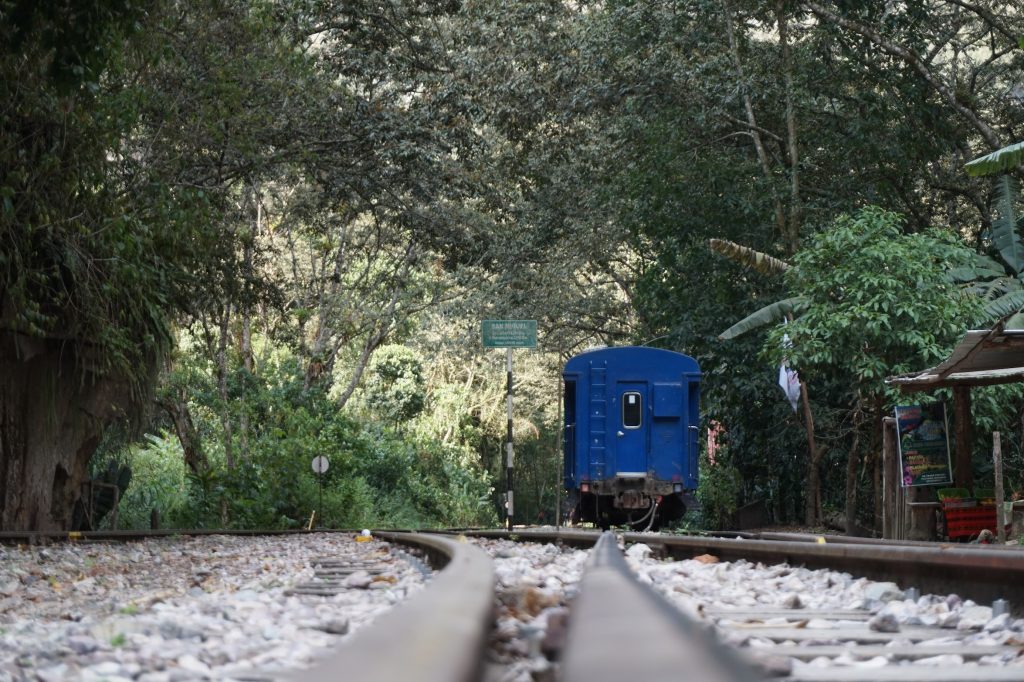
column 44, row 537
column 852, row 540
column 621, row 629
column 977, row 573
column 437, row 635
column 563, row 536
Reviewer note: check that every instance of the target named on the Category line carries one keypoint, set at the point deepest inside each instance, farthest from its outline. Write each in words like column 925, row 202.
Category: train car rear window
column 632, row 410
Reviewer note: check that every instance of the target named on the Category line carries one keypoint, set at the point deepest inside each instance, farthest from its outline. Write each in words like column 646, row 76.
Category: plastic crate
column 952, row 498
column 967, row 522
column 985, row 495
column 959, row 503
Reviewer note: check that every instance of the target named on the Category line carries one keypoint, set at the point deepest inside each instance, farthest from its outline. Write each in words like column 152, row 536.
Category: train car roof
column 659, row 358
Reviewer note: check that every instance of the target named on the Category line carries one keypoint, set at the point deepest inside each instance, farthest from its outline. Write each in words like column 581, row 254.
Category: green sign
column 509, row 333
column 924, row 444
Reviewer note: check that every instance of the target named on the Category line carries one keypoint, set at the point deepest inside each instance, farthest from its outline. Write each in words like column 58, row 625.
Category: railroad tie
column 331, row 576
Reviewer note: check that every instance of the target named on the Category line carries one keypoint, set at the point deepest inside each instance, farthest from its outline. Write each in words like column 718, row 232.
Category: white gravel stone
column 698, row 586
column 883, row 592
column 535, row 583
column 187, row 608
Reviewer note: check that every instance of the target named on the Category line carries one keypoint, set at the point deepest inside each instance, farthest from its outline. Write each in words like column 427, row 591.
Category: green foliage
column 158, row 482
column 97, row 248
column 719, row 490
column 376, row 477
column 1005, row 235
column 999, row 161
column 1000, row 285
column 394, row 388
column 878, row 302
column 337, row 169
column 773, row 313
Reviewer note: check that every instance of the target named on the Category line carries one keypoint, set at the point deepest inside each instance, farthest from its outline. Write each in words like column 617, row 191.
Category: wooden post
column 963, row 476
column 891, row 479
column 921, row 500
column 997, row 460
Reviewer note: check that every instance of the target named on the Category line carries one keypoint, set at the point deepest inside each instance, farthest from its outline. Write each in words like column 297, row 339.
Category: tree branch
column 912, row 58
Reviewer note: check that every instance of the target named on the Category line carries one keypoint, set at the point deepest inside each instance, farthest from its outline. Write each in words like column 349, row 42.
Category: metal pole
column 509, row 509
column 559, row 454
column 320, row 508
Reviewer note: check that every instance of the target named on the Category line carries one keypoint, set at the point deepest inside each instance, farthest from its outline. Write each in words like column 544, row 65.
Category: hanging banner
column 924, row 445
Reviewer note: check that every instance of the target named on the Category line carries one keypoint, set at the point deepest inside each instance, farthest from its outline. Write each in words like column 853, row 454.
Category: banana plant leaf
column 755, row 260
column 989, row 290
column 998, row 161
column 976, row 271
column 1004, row 226
column 774, row 313
column 1006, row 305
column 1015, row 321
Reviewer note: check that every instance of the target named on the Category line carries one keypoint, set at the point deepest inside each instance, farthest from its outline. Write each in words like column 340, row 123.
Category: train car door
column 631, row 431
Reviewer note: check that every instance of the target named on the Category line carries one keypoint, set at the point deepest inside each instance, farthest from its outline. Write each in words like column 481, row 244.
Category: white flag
column 790, row 384
column 788, row 379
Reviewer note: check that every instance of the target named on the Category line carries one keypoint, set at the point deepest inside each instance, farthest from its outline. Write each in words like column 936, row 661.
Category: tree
column 96, row 250
column 395, row 390
column 774, row 313
column 878, row 302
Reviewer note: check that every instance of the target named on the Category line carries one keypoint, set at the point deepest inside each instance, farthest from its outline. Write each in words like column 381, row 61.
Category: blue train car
column 631, row 427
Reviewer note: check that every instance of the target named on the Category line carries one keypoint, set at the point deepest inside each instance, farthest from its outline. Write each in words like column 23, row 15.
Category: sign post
column 320, row 465
column 509, row 334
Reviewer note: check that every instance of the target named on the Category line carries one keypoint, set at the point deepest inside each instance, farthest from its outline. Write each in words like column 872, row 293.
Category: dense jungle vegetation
column 238, row 234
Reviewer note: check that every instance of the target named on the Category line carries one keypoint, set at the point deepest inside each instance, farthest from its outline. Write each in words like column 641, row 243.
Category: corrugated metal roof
column 983, row 357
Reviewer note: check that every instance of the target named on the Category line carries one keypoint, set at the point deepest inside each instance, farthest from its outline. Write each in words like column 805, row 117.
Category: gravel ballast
column 185, row 608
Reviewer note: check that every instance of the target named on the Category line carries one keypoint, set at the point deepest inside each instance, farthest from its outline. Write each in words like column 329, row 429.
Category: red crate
column 967, row 522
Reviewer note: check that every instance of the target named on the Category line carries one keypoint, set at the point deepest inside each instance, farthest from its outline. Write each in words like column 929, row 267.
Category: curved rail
column 437, row 635
column 620, row 629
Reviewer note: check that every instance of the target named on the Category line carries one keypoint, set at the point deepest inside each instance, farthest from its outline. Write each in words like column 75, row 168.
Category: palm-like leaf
column 1015, row 321
column 1004, row 226
column 1008, row 304
column 756, row 260
column 998, row 161
column 989, row 290
column 770, row 314
column 982, row 268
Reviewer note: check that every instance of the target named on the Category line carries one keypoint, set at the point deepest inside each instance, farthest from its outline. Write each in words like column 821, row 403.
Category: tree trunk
column 247, row 364
column 795, row 212
column 52, row 414
column 876, row 448
column 813, row 506
column 755, row 130
column 245, row 345
column 184, row 427
column 222, row 389
column 852, row 464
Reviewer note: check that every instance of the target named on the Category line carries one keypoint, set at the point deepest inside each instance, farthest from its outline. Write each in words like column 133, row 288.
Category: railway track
column 623, row 623
column 620, row 628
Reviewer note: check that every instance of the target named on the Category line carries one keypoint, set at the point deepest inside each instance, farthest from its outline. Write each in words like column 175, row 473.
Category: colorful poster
column 924, row 445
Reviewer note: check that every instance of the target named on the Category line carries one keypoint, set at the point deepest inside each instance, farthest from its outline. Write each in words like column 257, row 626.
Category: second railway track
column 621, row 626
